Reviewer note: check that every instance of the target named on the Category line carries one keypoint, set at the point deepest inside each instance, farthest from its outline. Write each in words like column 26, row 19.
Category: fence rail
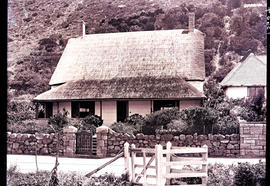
column 174, row 166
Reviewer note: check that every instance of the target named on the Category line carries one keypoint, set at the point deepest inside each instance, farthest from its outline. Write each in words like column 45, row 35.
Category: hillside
column 38, row 31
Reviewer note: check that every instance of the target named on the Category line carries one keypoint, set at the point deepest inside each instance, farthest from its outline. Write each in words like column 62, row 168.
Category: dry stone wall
column 42, row 144
column 218, row 145
column 251, row 142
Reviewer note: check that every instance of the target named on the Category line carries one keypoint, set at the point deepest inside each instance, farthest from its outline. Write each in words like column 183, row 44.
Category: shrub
column 29, row 128
column 123, row 128
column 93, row 120
column 59, row 120
column 19, row 111
column 90, row 122
column 220, row 174
column 249, row 175
column 137, row 121
column 14, row 178
column 159, row 120
column 200, row 119
column 179, row 126
column 226, row 125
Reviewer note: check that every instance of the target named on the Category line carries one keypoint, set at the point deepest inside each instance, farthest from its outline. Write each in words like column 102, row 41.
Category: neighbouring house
column 247, row 79
column 115, row 75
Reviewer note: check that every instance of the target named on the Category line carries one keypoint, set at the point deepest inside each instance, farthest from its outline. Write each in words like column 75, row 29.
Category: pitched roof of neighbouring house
column 251, row 72
column 123, row 88
column 132, row 54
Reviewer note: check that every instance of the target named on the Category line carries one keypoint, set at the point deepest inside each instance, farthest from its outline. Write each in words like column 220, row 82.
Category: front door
column 122, row 110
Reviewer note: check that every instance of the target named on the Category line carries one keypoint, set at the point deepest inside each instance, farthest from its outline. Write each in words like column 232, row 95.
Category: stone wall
column 110, row 142
column 251, row 142
column 253, row 139
column 42, row 144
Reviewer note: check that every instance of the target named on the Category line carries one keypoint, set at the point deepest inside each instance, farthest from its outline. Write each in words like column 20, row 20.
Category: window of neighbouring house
column 165, row 104
column 44, row 110
column 81, row 109
column 255, row 91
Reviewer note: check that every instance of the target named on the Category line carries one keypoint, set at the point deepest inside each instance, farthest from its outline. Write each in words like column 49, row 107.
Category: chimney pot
column 191, row 22
column 83, row 27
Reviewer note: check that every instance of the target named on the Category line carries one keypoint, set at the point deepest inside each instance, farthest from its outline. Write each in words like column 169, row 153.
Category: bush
column 249, row 175
column 135, row 119
column 59, row 120
column 19, row 111
column 14, row 178
column 29, row 128
column 159, row 120
column 90, row 122
column 178, row 127
column 226, row 125
column 124, row 128
column 220, row 174
column 200, row 119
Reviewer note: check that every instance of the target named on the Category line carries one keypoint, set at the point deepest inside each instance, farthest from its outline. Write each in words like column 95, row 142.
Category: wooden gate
column 84, row 143
column 171, row 166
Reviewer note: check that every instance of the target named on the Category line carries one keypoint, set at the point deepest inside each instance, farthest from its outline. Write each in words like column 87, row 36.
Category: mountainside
column 38, row 31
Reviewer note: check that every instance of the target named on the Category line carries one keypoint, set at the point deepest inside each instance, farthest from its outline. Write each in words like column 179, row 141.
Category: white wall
column 139, row 107
column 97, row 108
column 108, row 112
column 189, row 103
column 236, row 92
column 55, row 108
column 197, row 84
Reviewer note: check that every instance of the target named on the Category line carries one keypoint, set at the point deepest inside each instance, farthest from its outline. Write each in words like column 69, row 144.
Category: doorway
column 122, row 110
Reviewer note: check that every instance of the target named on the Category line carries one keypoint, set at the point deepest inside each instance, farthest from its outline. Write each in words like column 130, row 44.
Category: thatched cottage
column 115, row 75
column 247, row 79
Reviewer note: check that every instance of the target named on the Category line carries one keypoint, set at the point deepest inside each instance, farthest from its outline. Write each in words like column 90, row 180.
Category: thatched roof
column 251, row 72
column 132, row 54
column 123, row 88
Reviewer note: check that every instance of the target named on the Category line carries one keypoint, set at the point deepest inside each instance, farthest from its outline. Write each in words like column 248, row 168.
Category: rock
column 151, row 137
column 167, row 137
column 216, row 144
column 224, row 141
column 230, row 146
column 15, row 145
column 182, row 137
column 140, row 136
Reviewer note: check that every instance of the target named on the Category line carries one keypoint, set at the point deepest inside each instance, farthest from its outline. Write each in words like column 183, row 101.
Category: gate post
column 102, row 141
column 127, row 157
column 69, row 141
column 168, row 159
column 158, row 154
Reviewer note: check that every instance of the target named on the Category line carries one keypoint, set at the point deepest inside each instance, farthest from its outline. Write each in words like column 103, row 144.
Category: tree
column 57, row 123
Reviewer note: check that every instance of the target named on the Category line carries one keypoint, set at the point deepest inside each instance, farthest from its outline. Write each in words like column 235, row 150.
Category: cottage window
column 81, row 109
column 165, row 104
column 44, row 110
column 255, row 91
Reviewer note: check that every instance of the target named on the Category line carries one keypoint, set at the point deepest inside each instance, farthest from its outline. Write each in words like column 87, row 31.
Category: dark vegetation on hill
column 39, row 30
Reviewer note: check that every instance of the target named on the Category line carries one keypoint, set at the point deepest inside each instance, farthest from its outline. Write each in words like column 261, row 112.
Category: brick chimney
column 191, row 21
